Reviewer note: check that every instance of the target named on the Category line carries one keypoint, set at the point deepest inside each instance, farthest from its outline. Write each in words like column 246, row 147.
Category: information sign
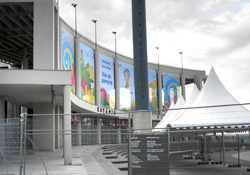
column 149, row 154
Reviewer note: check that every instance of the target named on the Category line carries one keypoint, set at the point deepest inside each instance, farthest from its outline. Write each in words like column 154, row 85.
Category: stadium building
column 50, row 69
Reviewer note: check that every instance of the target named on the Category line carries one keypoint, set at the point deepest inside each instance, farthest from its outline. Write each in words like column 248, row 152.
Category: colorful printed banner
column 107, row 82
column 171, row 88
column 127, row 96
column 68, row 55
column 153, row 92
column 87, row 74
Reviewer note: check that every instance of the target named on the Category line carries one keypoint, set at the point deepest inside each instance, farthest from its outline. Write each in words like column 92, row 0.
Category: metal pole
column 223, row 149
column 238, row 136
column 95, row 37
column 115, row 42
column 94, row 21
column 25, row 135
column 168, row 128
column 115, row 47
column 75, row 21
column 129, row 145
column 205, row 147
column 181, row 62
column 158, row 57
column 21, row 146
column 74, row 5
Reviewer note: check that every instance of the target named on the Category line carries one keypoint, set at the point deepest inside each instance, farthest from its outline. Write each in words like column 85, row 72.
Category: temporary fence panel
column 9, row 145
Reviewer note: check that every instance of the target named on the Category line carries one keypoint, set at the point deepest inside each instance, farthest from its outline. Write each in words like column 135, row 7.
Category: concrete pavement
column 89, row 160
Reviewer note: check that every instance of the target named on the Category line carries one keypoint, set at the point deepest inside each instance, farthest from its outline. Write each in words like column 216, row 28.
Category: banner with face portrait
column 107, row 81
column 171, row 89
column 127, row 96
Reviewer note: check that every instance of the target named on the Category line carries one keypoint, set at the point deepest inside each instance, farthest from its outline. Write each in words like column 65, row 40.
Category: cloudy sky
column 209, row 33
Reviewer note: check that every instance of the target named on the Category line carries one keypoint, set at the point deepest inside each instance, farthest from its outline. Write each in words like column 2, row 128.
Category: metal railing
column 32, row 136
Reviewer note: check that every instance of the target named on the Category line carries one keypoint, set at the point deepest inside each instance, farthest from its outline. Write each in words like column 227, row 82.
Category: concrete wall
column 46, row 140
column 44, row 34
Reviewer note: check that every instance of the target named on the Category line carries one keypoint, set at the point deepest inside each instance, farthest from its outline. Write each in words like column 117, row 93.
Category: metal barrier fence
column 9, row 145
column 186, row 150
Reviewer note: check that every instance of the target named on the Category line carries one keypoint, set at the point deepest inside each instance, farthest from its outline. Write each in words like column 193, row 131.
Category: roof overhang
column 26, row 87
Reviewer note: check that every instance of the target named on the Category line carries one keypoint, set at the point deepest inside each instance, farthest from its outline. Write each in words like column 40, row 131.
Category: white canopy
column 174, row 111
column 171, row 113
column 213, row 107
column 213, row 94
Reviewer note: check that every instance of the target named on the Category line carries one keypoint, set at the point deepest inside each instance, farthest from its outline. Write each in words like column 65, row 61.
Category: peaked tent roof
column 213, row 94
column 172, row 115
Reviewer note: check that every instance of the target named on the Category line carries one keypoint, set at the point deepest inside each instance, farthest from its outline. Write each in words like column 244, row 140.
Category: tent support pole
column 223, row 149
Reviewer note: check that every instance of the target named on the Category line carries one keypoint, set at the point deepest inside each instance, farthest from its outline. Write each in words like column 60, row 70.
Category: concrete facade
column 142, row 122
column 45, row 12
column 42, row 86
column 2, row 108
column 46, row 141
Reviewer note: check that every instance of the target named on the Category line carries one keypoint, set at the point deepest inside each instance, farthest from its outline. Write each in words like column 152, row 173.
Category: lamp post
column 117, row 79
column 157, row 48
column 115, row 42
column 181, row 62
column 74, row 5
column 94, row 21
column 159, row 85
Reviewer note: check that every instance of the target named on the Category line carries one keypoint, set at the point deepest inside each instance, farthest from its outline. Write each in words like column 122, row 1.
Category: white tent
column 171, row 113
column 220, row 113
column 174, row 112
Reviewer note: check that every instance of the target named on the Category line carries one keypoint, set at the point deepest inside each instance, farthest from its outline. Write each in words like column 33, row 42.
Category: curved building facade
column 49, row 70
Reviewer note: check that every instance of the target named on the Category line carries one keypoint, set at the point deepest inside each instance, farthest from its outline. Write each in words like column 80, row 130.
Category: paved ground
column 179, row 166
column 88, row 160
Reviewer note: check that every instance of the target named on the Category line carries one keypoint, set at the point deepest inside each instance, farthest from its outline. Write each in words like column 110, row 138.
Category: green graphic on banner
column 107, row 82
column 87, row 74
column 127, row 96
column 153, row 92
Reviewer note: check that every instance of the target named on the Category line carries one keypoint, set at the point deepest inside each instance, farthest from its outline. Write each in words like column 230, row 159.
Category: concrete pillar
column 61, row 127
column 2, row 123
column 57, row 127
column 14, row 110
column 24, row 110
column 198, row 81
column 44, row 32
column 25, row 61
column 117, row 85
column 2, row 108
column 248, row 136
column 159, row 90
column 142, row 122
column 97, row 78
column 67, row 142
column 9, row 110
column 56, row 41
column 183, row 88
column 77, row 53
column 45, row 141
column 140, row 55
column 99, row 136
column 17, row 111
column 119, row 137
column 78, row 133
